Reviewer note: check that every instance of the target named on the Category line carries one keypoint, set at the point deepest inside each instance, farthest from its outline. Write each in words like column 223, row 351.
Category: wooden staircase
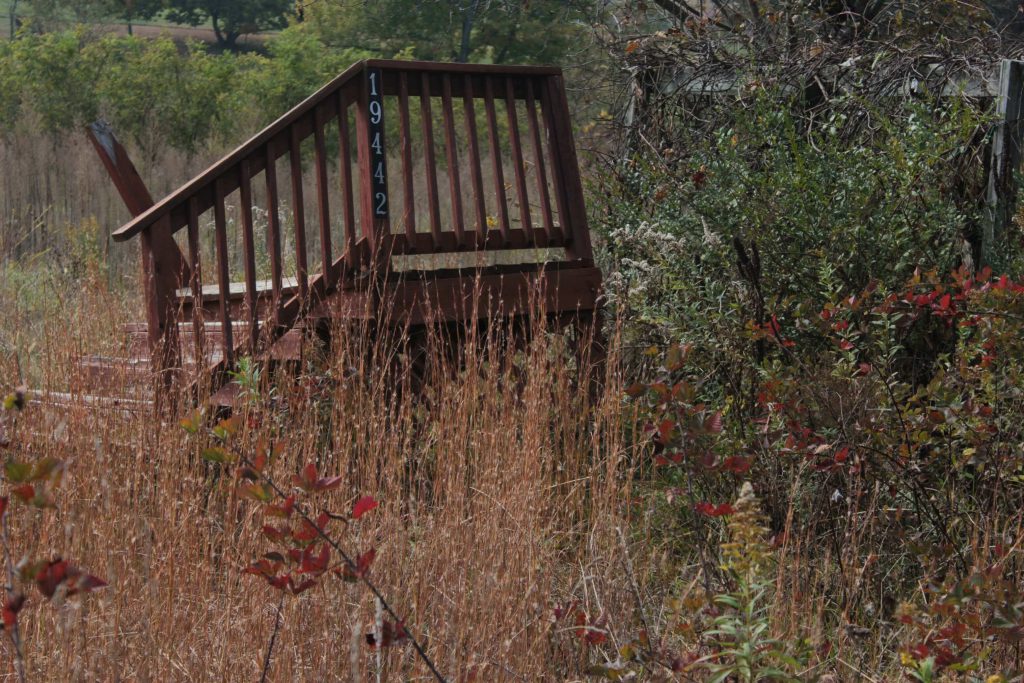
column 339, row 210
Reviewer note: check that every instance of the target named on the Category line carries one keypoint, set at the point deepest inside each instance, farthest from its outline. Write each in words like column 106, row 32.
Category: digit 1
column 373, row 83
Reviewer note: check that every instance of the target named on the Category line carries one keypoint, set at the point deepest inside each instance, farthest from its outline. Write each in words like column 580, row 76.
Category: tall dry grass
column 501, row 486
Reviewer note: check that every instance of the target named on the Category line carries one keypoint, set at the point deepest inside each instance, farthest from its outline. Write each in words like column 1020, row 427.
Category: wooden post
column 164, row 268
column 1001, row 197
column 574, row 225
column 373, row 166
column 134, row 193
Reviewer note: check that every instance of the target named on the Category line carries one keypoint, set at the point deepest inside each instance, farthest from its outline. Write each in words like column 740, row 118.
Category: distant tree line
column 447, row 30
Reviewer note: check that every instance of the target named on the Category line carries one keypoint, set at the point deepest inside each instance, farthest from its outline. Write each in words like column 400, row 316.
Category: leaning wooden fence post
column 133, row 191
column 163, row 266
column 1001, row 195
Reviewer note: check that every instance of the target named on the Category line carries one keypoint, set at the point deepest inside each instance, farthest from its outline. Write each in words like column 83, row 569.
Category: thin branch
column 348, row 561
column 273, row 639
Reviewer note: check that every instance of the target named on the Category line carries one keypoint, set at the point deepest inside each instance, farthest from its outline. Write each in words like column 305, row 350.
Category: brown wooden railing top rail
column 177, row 199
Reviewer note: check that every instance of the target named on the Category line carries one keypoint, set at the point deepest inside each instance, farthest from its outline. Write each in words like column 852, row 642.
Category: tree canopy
column 231, row 19
column 452, row 30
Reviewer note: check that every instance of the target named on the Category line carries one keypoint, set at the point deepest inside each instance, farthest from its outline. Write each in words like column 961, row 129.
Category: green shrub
column 816, row 206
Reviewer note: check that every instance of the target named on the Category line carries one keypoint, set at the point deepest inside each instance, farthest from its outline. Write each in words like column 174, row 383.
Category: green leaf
column 217, row 454
column 45, row 468
column 192, row 423
column 225, row 429
column 17, row 472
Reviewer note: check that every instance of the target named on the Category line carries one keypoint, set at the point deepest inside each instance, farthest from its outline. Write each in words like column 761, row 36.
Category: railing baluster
column 409, row 215
column 517, row 160
column 475, row 174
column 248, row 247
column 196, row 282
column 345, row 168
column 298, row 213
column 559, row 232
column 429, row 161
column 452, row 155
column 538, row 162
column 273, row 231
column 322, row 202
column 223, row 272
column 499, row 176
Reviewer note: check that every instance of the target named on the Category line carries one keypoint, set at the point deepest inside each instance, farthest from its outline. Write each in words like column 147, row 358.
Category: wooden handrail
column 256, row 142
column 509, row 211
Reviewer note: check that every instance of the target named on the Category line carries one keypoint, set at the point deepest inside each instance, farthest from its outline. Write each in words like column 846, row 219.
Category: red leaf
column 327, row 483
column 592, row 633
column 363, row 505
column 362, row 568
column 308, row 532
column 944, row 657
column 714, row 510
column 315, row 564
column 302, row 587
column 665, row 430
column 11, row 608
column 283, row 510
column 306, row 479
column 845, row 345
column 736, row 464
column 85, row 583
column 364, row 561
column 51, row 576
column 24, row 493
column 274, row 534
column 57, row 572
column 714, row 423
column 699, row 177
column 259, row 462
column 264, row 568
column 3, row 506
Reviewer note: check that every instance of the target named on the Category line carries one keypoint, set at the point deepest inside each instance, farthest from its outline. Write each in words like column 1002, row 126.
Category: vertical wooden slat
column 429, row 161
column 475, row 173
column 517, row 160
column 547, row 219
column 559, row 232
column 223, row 273
column 345, row 169
column 298, row 213
column 499, row 175
column 574, row 224
column 322, row 201
column 273, row 230
column 196, row 282
column 248, row 247
column 452, row 155
column 409, row 211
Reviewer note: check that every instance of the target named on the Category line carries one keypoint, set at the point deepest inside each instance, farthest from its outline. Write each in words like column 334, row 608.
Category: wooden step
column 76, row 400
column 92, row 371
